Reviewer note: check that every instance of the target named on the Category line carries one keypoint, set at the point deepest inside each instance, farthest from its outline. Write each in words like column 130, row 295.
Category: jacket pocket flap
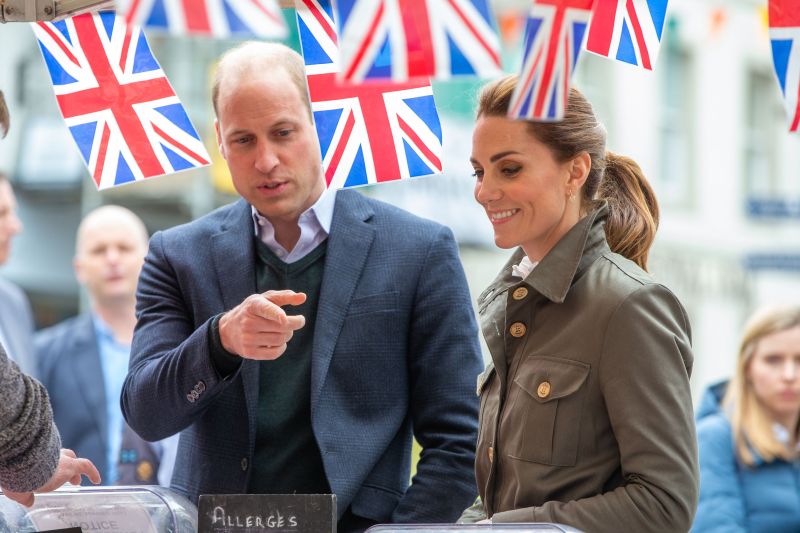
column 373, row 303
column 550, row 378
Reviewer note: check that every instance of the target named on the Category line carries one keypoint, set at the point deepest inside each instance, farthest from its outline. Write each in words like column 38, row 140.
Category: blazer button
column 490, row 453
column 191, row 397
column 520, row 293
column 244, row 464
column 544, row 389
column 517, row 329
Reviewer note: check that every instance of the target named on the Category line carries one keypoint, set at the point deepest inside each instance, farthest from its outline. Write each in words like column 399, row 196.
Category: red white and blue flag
column 628, row 30
column 118, row 104
column 368, row 133
column 784, row 32
column 406, row 39
column 217, row 18
column 554, row 38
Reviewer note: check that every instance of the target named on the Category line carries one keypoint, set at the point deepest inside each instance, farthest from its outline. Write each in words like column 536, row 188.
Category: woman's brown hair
column 633, row 219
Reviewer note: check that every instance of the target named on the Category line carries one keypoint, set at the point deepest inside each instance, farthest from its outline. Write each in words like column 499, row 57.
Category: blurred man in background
column 16, row 319
column 83, row 360
column 30, row 459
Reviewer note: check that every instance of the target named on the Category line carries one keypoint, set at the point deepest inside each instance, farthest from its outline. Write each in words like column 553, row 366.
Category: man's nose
column 266, row 158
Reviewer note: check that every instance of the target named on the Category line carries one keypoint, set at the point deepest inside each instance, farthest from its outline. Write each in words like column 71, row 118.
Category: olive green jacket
column 586, row 412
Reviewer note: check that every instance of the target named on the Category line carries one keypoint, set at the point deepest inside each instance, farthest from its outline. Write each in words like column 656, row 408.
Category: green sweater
column 287, row 458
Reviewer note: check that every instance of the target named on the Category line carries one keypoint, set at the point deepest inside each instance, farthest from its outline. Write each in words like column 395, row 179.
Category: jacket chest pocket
column 543, row 417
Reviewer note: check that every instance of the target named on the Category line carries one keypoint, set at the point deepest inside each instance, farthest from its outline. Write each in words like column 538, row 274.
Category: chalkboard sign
column 273, row 513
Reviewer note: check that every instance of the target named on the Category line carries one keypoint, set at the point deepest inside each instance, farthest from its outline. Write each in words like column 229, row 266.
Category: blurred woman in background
column 586, row 412
column 749, row 468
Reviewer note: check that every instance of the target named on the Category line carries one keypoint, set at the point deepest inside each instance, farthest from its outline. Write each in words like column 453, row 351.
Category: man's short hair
column 258, row 56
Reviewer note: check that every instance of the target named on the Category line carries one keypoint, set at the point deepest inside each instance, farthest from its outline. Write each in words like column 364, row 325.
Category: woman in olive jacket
column 586, row 412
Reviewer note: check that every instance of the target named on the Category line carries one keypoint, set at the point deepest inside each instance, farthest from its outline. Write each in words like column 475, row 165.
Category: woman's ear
column 579, row 168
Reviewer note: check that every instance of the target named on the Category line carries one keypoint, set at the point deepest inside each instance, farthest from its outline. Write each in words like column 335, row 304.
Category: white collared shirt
column 314, row 222
column 524, row 268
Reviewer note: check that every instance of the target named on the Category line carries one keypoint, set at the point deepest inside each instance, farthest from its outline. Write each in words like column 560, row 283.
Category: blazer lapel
column 16, row 332
column 349, row 242
column 88, row 372
column 234, row 261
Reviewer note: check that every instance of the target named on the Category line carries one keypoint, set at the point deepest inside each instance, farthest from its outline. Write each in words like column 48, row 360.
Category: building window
column 772, row 190
column 675, row 168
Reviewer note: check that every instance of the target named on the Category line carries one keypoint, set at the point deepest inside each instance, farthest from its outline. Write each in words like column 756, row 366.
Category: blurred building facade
column 707, row 126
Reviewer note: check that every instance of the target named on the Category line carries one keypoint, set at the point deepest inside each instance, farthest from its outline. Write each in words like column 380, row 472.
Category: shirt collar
column 322, row 211
column 103, row 331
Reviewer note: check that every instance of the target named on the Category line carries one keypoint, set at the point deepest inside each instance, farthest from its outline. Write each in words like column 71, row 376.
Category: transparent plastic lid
column 133, row 509
column 539, row 527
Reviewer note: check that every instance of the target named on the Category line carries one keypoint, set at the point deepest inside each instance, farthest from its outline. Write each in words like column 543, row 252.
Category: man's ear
column 79, row 275
column 219, row 139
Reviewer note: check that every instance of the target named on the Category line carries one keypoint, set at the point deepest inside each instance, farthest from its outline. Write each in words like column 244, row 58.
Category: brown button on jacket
column 586, row 418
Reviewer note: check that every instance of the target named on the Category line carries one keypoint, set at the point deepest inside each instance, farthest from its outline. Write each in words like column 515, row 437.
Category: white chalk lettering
column 219, row 516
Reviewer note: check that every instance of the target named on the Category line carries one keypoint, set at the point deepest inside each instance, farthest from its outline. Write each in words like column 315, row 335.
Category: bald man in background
column 83, row 360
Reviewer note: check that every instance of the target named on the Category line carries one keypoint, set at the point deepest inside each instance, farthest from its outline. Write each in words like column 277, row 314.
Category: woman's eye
column 510, row 171
column 478, row 173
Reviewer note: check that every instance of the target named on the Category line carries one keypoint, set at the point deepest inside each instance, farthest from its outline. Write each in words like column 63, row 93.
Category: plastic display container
column 131, row 509
column 540, row 527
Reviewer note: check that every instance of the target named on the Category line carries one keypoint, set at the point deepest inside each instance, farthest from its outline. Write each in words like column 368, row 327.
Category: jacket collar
column 567, row 261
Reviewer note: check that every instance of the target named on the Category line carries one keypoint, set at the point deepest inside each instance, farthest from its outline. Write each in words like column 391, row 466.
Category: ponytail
column 633, row 218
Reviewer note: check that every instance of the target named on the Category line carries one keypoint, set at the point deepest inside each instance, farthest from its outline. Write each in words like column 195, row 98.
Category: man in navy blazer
column 378, row 341
column 16, row 319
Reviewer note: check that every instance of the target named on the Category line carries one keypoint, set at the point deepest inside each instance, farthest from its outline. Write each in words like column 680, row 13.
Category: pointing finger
column 282, row 298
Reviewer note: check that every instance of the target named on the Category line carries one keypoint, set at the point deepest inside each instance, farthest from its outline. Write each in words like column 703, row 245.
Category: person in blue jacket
column 747, row 432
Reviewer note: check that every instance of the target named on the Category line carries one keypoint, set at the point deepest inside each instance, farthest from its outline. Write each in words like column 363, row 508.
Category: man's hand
column 70, row 468
column 258, row 328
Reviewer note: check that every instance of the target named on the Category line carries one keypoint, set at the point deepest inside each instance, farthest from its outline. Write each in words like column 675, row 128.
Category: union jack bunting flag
column 371, row 132
column 120, row 108
column 627, row 30
column 403, row 39
column 217, row 18
column 784, row 32
column 553, row 40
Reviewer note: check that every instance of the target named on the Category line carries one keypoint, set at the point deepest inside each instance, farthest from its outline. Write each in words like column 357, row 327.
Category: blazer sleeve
column 644, row 378
column 171, row 377
column 721, row 508
column 444, row 360
column 29, row 441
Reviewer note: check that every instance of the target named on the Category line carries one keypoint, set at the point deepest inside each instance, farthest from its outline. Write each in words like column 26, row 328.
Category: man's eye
column 284, row 133
column 242, row 140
